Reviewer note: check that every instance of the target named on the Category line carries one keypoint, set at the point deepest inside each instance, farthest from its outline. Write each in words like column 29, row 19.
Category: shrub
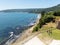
column 35, row 29
column 57, row 13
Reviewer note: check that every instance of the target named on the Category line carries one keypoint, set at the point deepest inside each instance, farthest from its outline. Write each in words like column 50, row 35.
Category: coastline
column 26, row 33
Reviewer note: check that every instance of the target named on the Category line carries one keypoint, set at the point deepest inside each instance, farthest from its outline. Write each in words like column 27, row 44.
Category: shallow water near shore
column 15, row 22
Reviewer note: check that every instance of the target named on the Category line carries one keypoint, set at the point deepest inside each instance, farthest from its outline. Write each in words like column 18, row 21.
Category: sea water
column 14, row 22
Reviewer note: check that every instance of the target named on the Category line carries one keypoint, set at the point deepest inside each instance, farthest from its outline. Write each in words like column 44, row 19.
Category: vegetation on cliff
column 46, row 18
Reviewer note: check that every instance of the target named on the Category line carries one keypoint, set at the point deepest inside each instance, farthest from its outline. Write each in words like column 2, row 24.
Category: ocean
column 15, row 22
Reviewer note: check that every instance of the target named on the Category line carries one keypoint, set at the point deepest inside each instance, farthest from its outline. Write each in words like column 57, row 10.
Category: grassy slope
column 55, row 32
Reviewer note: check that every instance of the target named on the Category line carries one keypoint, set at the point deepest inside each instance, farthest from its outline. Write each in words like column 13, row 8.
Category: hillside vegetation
column 47, row 25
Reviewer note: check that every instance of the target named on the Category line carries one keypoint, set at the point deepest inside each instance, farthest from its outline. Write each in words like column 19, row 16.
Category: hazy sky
column 15, row 4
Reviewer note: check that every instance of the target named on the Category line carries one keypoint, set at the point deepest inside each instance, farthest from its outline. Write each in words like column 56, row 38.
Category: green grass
column 58, row 17
column 45, row 38
column 56, row 34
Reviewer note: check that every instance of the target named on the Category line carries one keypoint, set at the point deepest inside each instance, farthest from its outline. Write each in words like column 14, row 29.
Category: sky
column 23, row 4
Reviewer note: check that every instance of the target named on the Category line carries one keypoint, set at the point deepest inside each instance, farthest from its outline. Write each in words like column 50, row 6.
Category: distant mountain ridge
column 54, row 8
column 34, row 10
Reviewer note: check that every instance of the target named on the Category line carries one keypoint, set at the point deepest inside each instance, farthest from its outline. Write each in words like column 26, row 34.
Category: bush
column 57, row 13
column 45, row 18
column 35, row 29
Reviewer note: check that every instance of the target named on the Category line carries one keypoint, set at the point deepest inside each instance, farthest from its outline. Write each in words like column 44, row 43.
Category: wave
column 39, row 16
column 12, row 38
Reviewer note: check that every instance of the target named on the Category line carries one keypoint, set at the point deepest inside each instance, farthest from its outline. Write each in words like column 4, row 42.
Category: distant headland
column 34, row 10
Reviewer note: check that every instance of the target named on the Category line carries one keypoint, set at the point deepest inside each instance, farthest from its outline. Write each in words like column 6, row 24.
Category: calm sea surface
column 15, row 22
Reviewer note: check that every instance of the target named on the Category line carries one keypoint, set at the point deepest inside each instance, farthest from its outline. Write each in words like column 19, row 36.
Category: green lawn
column 56, row 34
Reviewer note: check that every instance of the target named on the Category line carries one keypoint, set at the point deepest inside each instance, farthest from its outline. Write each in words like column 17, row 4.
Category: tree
column 57, row 13
column 42, row 13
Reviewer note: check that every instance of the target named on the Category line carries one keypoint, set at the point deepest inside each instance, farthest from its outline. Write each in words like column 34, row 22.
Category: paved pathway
column 34, row 41
column 55, row 42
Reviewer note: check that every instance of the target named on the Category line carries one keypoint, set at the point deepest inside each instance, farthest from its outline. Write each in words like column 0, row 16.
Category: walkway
column 34, row 41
